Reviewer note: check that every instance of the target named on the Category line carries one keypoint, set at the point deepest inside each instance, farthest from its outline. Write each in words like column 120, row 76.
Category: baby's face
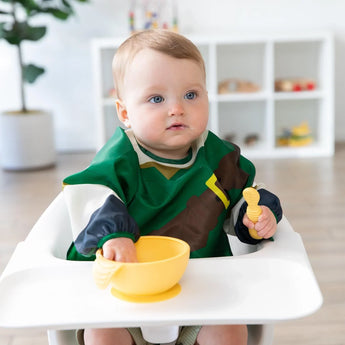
column 165, row 102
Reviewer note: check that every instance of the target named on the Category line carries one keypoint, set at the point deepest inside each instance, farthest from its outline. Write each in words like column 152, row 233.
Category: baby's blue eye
column 190, row 95
column 156, row 99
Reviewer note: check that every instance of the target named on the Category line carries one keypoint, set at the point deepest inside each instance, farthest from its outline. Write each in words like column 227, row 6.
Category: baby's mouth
column 177, row 126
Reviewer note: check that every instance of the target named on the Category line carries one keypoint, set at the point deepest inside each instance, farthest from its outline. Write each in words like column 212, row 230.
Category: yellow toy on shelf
column 299, row 136
column 252, row 196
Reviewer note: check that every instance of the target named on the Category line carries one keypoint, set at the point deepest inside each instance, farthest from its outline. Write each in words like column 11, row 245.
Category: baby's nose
column 176, row 109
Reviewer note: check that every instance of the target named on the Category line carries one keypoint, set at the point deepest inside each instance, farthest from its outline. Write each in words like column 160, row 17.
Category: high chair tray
column 273, row 284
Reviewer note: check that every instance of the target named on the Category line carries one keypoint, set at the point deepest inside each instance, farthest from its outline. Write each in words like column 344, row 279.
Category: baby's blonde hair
column 164, row 41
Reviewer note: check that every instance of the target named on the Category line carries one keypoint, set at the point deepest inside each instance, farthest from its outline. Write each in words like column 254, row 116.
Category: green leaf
column 34, row 33
column 30, row 6
column 23, row 31
column 57, row 13
column 32, row 72
column 10, row 35
column 66, row 4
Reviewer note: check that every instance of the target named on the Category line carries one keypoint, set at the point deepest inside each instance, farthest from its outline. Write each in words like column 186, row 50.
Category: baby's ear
column 122, row 113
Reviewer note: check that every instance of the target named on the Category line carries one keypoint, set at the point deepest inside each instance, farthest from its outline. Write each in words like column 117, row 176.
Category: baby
column 166, row 174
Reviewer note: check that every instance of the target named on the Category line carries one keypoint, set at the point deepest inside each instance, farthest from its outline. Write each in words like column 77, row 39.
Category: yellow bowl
column 161, row 263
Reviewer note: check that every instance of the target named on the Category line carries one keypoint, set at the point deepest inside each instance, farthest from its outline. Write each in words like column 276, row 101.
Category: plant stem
column 21, row 64
column 22, row 91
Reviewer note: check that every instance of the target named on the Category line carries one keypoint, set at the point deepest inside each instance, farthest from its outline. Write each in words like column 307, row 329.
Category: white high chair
column 41, row 290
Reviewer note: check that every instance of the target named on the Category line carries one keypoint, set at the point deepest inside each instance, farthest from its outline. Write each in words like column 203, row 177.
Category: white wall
column 67, row 87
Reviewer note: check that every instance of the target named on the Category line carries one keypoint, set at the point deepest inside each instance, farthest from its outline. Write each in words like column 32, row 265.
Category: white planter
column 26, row 140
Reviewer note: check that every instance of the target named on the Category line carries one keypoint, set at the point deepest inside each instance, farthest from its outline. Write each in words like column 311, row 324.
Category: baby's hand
column 120, row 249
column 266, row 225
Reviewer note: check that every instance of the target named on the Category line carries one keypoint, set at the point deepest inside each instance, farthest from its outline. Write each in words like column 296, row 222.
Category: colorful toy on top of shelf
column 131, row 21
column 153, row 14
column 294, row 84
column 299, row 136
column 232, row 85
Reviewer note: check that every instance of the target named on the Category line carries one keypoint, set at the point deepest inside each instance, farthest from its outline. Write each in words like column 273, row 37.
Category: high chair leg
column 260, row 334
column 160, row 334
column 62, row 337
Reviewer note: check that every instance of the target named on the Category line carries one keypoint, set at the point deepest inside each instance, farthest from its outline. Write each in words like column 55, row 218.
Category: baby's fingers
column 266, row 225
column 120, row 249
column 109, row 253
column 247, row 222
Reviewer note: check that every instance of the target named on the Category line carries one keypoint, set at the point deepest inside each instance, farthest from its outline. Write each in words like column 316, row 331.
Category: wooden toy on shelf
column 251, row 139
column 232, row 85
column 294, row 84
column 230, row 137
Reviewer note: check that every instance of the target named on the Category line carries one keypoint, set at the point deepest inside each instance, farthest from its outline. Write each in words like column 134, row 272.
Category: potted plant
column 26, row 135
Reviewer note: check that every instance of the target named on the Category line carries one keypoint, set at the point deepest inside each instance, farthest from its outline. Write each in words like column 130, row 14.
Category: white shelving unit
column 260, row 59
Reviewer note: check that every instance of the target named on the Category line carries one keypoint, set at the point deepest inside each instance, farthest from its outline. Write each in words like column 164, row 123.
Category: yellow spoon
column 252, row 197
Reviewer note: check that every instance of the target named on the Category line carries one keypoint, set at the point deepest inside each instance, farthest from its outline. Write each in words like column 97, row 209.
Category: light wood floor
column 312, row 192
